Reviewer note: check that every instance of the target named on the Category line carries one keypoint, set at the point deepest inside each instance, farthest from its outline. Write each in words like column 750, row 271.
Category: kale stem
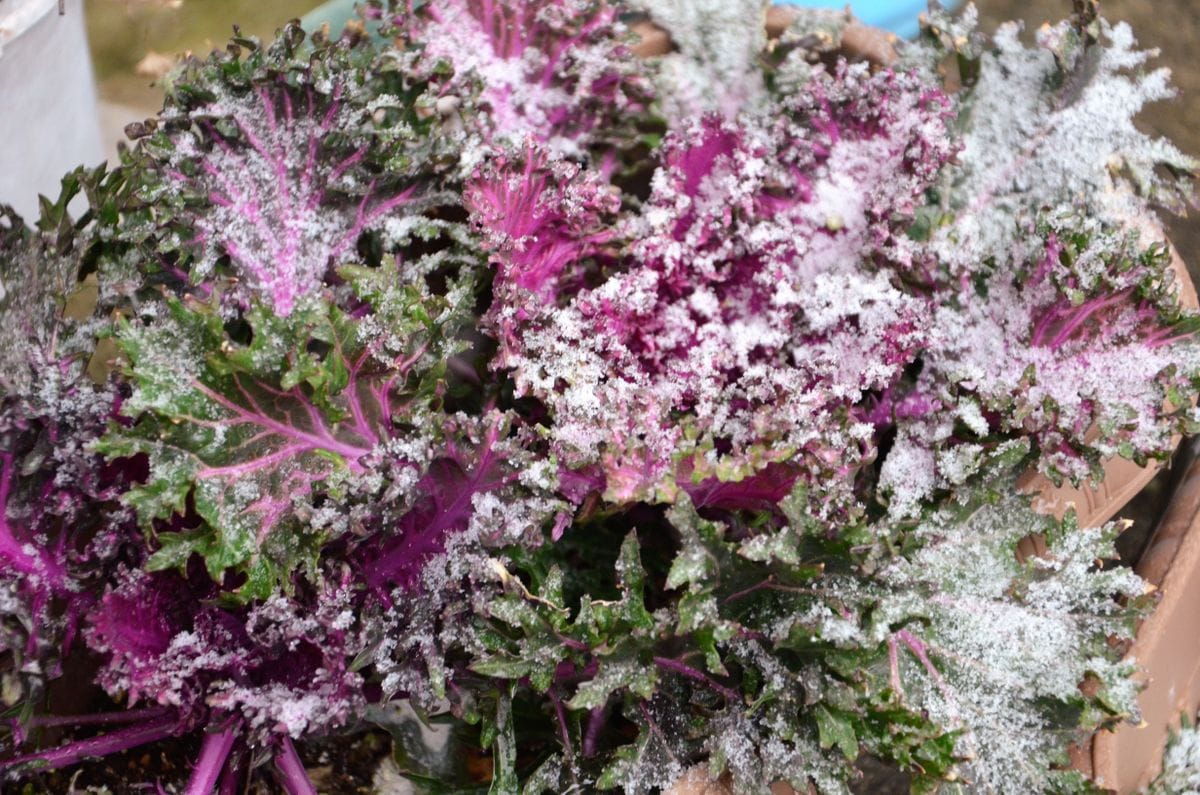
column 769, row 584
column 562, row 722
column 921, row 652
column 894, row 665
column 291, row 770
column 213, row 754
column 654, row 728
column 111, row 743
column 733, row 597
column 568, row 749
column 99, row 719
column 592, row 735
column 691, row 673
column 232, row 779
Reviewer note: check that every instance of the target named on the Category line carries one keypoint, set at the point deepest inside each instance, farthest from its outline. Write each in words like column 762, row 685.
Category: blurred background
column 134, row 41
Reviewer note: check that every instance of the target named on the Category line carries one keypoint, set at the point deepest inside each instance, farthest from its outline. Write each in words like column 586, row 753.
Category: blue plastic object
column 335, row 13
column 898, row 16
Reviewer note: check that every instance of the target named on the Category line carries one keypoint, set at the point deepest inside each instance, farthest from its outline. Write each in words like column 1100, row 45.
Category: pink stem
column 292, row 775
column 894, row 666
column 321, row 440
column 689, row 672
column 99, row 719
column 213, row 754
column 111, row 743
column 232, row 777
column 236, row 470
column 917, row 647
column 1083, row 313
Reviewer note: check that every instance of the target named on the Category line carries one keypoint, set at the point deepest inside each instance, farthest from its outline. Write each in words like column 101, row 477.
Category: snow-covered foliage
column 754, row 304
column 715, row 65
column 1059, row 314
column 622, row 419
column 560, row 73
column 1051, row 126
column 1181, row 764
column 997, row 646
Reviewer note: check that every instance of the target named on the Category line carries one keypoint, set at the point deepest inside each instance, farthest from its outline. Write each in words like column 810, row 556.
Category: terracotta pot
column 858, row 41
column 1167, row 645
column 1167, row 650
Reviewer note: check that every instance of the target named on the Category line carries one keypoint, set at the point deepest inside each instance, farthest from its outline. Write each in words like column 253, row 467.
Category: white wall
column 48, row 119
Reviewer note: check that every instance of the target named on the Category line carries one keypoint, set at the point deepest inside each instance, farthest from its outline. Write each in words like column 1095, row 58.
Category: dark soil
column 341, row 766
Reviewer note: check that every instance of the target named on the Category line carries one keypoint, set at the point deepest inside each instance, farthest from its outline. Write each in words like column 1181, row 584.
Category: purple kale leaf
column 1085, row 349
column 448, row 492
column 559, row 72
column 62, row 528
column 268, row 169
column 266, row 440
column 278, row 667
column 281, row 205
column 740, row 316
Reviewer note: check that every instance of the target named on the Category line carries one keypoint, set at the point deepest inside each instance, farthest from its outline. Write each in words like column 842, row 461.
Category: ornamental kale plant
column 576, row 421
